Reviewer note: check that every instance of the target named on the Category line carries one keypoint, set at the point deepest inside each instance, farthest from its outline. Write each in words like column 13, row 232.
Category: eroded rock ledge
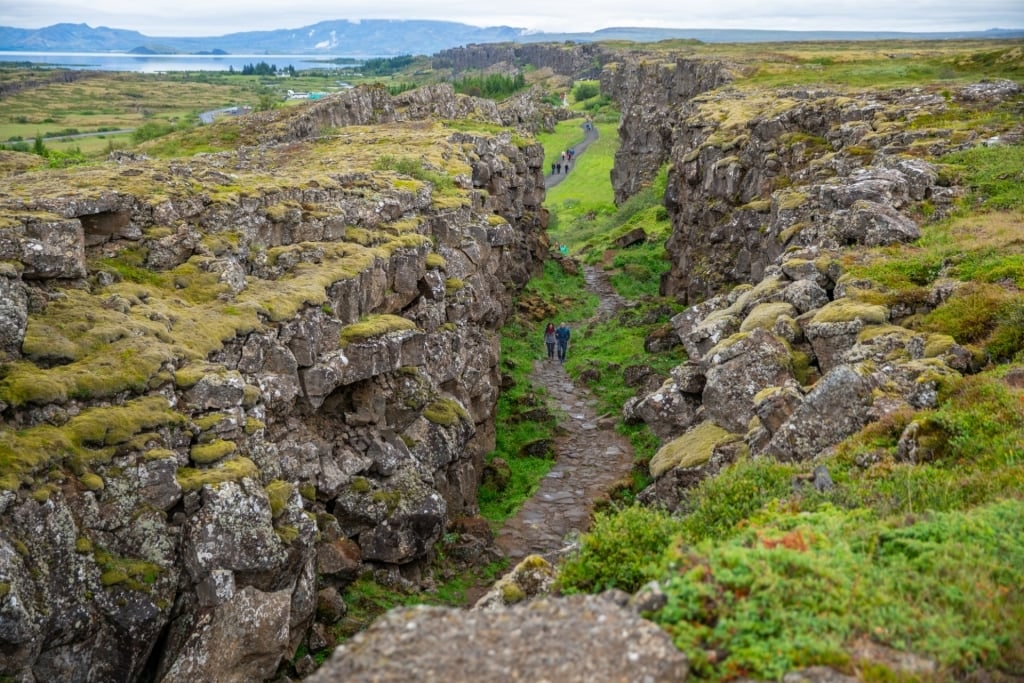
column 235, row 381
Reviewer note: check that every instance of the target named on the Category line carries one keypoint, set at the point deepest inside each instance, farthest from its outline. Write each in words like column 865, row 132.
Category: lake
column 123, row 61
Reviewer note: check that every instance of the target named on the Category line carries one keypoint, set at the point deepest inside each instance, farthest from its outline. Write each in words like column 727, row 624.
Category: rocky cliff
column 767, row 191
column 234, row 381
column 577, row 61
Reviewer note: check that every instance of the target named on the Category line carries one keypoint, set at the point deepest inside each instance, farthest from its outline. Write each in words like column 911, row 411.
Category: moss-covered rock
column 691, row 449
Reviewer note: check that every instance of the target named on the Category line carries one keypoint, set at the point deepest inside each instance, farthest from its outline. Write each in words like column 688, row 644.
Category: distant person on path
column 549, row 339
column 562, row 336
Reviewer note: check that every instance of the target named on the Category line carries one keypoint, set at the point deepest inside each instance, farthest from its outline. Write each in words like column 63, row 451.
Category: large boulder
column 576, row 639
column 737, row 370
column 835, row 408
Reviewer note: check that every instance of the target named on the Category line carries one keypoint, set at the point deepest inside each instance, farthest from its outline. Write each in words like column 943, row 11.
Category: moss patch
column 445, row 411
column 207, row 453
column 92, row 436
column 278, row 493
column 374, row 326
column 691, row 449
column 849, row 310
column 193, row 479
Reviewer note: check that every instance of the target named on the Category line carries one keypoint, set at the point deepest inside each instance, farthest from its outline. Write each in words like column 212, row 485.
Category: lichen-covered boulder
column 667, row 411
column 531, row 578
column 13, row 313
column 395, row 519
column 242, row 638
column 737, row 370
column 835, row 408
column 580, row 638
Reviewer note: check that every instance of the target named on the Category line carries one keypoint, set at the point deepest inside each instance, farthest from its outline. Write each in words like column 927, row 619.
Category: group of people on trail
column 557, row 337
column 563, row 161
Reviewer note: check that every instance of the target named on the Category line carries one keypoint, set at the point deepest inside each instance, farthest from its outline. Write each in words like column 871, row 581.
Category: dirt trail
column 590, row 457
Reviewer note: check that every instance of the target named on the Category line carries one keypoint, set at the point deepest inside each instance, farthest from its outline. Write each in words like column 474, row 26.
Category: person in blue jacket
column 562, row 337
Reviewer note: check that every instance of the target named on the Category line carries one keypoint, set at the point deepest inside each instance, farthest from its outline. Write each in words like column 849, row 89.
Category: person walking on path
column 562, row 337
column 549, row 339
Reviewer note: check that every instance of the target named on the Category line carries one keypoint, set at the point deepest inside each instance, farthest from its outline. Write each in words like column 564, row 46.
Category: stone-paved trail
column 590, row 458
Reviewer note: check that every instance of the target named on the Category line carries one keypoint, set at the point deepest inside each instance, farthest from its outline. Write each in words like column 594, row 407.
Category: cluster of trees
column 493, row 86
column 384, row 66
column 55, row 158
column 263, row 69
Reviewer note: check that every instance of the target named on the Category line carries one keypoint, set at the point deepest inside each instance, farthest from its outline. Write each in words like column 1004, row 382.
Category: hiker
column 552, row 168
column 558, row 168
column 562, row 336
column 549, row 339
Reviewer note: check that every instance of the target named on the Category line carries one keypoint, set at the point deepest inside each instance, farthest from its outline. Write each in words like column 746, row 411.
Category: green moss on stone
column 83, row 545
column 445, row 411
column 849, row 310
column 278, row 493
column 453, row 284
column 287, row 534
column 112, row 577
column 360, row 485
column 511, row 593
column 765, row 315
column 435, row 261
column 938, row 344
column 374, row 326
column 208, row 453
column 93, row 482
column 691, row 449
column 193, row 479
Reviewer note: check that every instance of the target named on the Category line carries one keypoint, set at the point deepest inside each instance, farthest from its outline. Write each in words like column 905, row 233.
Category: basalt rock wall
column 654, row 97
column 236, row 381
column 576, row 61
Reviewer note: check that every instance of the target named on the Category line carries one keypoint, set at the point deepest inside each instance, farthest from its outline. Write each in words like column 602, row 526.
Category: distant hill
column 383, row 37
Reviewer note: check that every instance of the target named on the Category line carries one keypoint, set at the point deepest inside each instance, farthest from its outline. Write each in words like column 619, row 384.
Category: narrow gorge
column 236, row 381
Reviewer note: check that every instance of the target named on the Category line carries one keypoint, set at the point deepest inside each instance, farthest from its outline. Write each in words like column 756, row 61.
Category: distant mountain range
column 385, row 37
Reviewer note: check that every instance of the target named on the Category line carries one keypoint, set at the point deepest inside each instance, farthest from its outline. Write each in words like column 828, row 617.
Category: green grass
column 586, row 189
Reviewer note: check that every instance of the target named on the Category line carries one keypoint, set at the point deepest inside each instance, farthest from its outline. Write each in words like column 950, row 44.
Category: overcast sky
column 214, row 18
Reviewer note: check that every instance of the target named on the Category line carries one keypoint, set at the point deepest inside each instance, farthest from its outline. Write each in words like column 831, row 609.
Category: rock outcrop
column 238, row 380
column 767, row 189
column 544, row 640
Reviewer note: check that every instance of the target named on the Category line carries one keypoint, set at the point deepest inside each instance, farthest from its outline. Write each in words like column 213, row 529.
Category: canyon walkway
column 590, row 456
column 589, row 135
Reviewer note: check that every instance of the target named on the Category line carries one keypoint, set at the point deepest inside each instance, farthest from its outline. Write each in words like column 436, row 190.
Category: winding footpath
column 590, row 457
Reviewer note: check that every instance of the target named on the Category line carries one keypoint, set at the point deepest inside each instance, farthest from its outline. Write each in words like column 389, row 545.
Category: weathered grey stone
column 581, row 638
column 238, row 641
column 13, row 315
column 668, row 411
column 805, row 295
column 736, row 371
column 54, row 249
column 836, row 407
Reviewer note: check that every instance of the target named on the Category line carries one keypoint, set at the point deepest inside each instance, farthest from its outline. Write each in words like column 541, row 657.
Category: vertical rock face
column 653, row 96
column 575, row 61
column 238, row 380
